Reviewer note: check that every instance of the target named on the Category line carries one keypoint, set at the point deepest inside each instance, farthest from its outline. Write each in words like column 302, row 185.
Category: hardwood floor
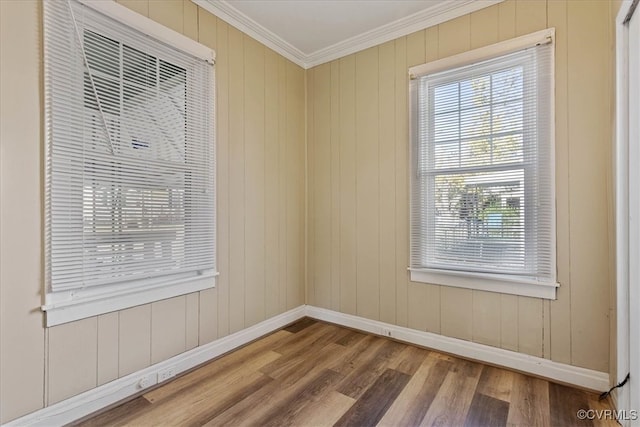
column 318, row 374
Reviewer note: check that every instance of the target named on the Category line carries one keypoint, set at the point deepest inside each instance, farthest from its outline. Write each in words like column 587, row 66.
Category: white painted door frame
column 628, row 209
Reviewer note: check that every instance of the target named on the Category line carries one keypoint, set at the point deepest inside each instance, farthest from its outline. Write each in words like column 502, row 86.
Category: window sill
column 486, row 282
column 67, row 306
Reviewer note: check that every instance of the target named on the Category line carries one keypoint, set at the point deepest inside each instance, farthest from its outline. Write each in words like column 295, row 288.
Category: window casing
column 130, row 161
column 482, row 198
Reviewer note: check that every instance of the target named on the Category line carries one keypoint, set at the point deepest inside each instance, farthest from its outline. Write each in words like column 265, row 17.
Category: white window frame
column 66, row 306
column 501, row 283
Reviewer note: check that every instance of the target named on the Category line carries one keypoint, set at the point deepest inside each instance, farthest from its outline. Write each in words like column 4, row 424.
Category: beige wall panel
column 454, row 36
column 588, row 33
column 335, row 185
column 402, row 186
column 192, row 320
column 431, row 35
column 386, row 191
column 486, row 318
column 236, row 181
column 416, row 50
column 168, row 328
column 508, row 322
column 222, row 196
column 190, row 27
column 484, row 27
column 296, row 185
column 560, row 313
column 134, row 339
column 140, row 6
column 283, row 178
column 207, row 25
column 168, row 13
column 530, row 326
column 310, row 200
column 456, row 312
column 320, row 186
column 107, row 348
column 419, row 307
column 531, row 16
column 367, row 182
column 73, row 355
column 272, row 188
column 546, row 329
column 507, row 20
column 21, row 334
column 209, row 318
column 348, row 248
column 254, row 181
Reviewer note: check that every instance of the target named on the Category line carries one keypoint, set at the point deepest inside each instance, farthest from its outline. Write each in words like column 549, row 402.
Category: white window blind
column 482, row 167
column 130, row 159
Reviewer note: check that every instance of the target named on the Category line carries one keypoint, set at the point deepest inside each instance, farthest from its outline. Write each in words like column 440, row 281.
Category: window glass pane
column 507, row 84
column 475, row 92
column 479, row 219
column 446, row 97
column 139, row 67
column 446, row 126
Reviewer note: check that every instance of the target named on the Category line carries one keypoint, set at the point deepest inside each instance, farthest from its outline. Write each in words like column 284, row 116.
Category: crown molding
column 409, row 24
column 242, row 22
column 418, row 21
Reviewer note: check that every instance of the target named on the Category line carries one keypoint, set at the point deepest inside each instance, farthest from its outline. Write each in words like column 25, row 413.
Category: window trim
column 501, row 283
column 69, row 305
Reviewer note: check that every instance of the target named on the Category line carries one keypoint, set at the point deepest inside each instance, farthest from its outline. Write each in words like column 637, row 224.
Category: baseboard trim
column 79, row 406
column 581, row 377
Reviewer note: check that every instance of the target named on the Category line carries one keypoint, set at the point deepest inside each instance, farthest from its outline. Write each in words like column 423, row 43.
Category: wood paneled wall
column 260, row 160
column 358, row 198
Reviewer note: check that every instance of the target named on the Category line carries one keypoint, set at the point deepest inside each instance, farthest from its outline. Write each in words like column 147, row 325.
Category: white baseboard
column 93, row 400
column 586, row 378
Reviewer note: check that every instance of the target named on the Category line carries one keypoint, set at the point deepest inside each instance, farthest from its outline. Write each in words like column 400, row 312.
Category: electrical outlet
column 386, row 332
column 146, row 381
column 165, row 374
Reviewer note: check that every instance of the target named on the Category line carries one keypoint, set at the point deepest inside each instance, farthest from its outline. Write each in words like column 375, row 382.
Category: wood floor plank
column 203, row 378
column 409, row 360
column 496, row 383
column 452, row 402
column 357, row 382
column 324, row 412
column 415, row 399
column 351, row 338
column 220, row 366
column 300, row 325
column 316, row 333
column 375, row 401
column 487, row 411
column 565, row 402
column 529, row 402
column 286, row 411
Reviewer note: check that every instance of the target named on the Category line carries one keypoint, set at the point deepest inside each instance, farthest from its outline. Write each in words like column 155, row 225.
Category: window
column 130, row 191
column 482, row 212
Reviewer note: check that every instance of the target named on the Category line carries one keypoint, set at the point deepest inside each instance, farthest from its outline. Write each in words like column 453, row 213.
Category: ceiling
column 311, row 32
